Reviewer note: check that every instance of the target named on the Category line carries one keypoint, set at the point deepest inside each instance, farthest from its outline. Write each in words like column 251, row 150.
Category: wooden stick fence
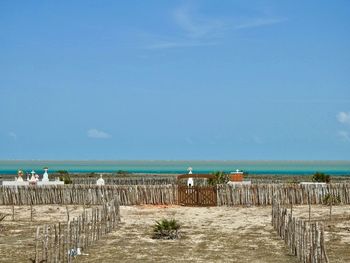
column 261, row 194
column 305, row 240
column 61, row 242
column 89, row 194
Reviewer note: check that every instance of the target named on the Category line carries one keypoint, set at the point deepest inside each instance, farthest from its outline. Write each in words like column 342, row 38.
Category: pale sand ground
column 216, row 234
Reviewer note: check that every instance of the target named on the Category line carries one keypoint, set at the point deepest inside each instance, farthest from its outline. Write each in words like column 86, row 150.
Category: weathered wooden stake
column 31, row 212
column 37, row 245
column 291, row 204
column 309, row 206
column 13, row 212
column 67, row 210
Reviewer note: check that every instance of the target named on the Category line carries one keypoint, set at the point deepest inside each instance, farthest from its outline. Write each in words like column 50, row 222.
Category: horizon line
column 176, row 160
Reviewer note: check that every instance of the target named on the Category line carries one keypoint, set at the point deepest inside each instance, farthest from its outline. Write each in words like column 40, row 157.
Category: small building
column 236, row 178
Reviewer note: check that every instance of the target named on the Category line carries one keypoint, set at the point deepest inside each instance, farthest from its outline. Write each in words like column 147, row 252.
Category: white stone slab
column 26, row 183
column 15, row 183
column 313, row 183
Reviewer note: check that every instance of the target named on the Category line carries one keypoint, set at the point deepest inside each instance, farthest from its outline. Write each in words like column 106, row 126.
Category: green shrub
column 220, row 178
column 62, row 172
column 122, row 172
column 166, row 229
column 321, row 177
column 92, row 174
column 65, row 177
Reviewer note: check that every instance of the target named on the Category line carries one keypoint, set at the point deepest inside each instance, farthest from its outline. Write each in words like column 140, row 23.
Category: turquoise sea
column 252, row 167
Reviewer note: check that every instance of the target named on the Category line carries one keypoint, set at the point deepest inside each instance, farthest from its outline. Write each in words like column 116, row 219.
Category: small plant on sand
column 321, row 178
column 166, row 229
column 220, row 178
column 331, row 200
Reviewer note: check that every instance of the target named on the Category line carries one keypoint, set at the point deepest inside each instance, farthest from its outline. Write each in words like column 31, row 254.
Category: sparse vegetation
column 62, row 172
column 122, row 172
column 166, row 229
column 220, row 178
column 64, row 176
column 331, row 200
column 321, row 178
column 92, row 175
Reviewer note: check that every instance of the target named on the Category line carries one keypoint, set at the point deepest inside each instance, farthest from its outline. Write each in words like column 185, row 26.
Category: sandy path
column 216, row 234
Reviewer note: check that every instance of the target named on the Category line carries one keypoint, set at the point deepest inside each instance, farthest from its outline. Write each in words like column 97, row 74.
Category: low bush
column 65, row 177
column 220, row 178
column 166, row 229
column 321, row 177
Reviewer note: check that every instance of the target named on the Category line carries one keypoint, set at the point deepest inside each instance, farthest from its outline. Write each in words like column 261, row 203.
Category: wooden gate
column 197, row 195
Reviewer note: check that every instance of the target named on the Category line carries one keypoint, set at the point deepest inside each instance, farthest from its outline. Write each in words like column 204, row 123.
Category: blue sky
column 175, row 80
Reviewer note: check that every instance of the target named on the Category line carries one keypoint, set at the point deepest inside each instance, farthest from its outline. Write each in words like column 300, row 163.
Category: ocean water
column 252, row 167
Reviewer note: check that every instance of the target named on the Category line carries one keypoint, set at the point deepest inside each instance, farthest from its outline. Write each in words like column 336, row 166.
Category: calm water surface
column 252, row 167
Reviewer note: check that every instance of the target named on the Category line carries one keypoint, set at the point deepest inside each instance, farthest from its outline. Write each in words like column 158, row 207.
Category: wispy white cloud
column 344, row 135
column 195, row 25
column 97, row 134
column 180, row 44
column 198, row 29
column 343, row 117
column 260, row 22
column 13, row 135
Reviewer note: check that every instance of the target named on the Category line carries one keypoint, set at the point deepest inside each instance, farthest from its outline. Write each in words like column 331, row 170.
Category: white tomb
column 19, row 178
column 190, row 180
column 100, row 181
column 45, row 175
column 34, row 180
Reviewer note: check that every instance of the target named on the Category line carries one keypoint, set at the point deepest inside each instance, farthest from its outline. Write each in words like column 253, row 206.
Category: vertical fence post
column 309, row 202
column 36, row 259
